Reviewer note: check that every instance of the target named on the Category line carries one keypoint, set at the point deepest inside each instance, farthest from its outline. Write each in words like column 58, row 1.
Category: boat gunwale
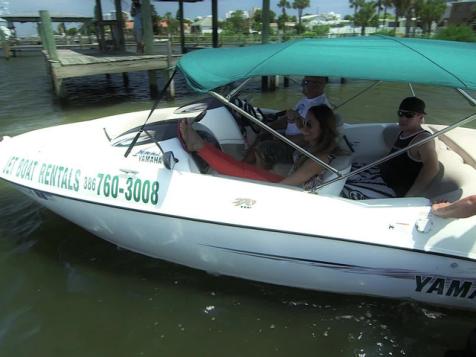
column 271, row 230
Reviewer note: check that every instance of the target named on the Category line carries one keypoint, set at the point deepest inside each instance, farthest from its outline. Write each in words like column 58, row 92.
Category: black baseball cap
column 413, row 104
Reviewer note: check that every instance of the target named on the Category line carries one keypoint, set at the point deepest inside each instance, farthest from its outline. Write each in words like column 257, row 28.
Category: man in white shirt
column 313, row 90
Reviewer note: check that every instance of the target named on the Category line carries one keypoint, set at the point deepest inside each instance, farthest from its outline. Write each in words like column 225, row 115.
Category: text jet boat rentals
column 160, row 201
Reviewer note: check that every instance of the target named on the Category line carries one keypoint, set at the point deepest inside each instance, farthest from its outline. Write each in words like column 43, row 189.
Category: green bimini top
column 433, row 62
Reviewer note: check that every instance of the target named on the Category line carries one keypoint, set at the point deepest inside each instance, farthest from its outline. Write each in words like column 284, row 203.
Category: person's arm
column 305, row 172
column 429, row 170
column 463, row 208
column 279, row 123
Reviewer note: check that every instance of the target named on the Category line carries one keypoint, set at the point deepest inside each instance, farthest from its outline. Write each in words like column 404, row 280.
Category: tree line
column 366, row 13
column 417, row 12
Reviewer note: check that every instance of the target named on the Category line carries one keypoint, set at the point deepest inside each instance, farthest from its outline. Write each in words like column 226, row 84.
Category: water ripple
column 19, row 217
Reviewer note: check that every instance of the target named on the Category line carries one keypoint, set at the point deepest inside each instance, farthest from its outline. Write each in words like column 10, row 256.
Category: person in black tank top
column 401, row 171
column 410, row 173
column 407, row 174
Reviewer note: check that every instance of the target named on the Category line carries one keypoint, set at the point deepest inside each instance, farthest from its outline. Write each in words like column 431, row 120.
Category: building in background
column 203, row 25
column 462, row 13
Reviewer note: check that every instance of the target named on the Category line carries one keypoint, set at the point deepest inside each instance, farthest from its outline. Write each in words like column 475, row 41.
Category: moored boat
column 163, row 202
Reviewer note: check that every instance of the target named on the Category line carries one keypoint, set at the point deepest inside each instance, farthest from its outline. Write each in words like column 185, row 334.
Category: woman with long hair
column 319, row 131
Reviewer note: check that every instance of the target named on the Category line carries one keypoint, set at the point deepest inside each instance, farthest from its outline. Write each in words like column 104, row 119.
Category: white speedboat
column 161, row 201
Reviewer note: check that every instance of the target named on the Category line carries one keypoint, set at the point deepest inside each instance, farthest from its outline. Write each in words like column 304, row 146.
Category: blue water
column 65, row 292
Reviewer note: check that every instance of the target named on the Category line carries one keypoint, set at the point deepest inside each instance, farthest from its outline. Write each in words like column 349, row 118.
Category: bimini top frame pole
column 273, row 132
column 374, row 84
column 237, row 89
column 467, row 96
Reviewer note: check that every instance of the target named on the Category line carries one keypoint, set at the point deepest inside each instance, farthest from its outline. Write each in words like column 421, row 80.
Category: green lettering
column 41, row 176
column 54, row 175
column 77, row 176
column 154, row 197
column 20, row 167
column 6, row 168
column 31, row 170
column 128, row 194
column 70, row 186
column 64, row 179
column 61, row 174
column 47, row 174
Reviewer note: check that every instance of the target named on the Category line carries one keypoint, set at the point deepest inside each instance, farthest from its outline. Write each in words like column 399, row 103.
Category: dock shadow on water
column 66, row 292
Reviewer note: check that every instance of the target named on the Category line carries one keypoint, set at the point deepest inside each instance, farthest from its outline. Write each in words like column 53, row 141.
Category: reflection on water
column 66, row 292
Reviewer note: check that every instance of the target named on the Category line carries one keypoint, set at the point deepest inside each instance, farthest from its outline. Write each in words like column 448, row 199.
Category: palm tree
column 284, row 4
column 379, row 8
column 428, row 11
column 403, row 8
column 386, row 4
column 356, row 5
column 366, row 16
column 353, row 5
column 300, row 5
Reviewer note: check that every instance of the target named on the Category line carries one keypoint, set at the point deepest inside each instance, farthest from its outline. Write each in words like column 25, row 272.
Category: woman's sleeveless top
column 400, row 172
column 315, row 180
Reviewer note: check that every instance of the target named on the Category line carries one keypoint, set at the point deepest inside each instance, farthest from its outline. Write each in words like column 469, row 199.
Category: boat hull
column 253, row 230
column 279, row 257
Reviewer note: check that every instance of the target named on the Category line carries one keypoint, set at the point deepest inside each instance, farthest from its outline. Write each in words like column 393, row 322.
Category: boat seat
column 456, row 178
column 342, row 163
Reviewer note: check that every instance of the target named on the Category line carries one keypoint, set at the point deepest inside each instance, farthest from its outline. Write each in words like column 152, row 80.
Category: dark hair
column 413, row 104
column 327, row 120
column 328, row 137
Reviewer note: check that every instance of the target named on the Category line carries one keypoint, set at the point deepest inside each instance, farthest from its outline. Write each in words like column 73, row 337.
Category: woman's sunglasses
column 301, row 123
column 406, row 113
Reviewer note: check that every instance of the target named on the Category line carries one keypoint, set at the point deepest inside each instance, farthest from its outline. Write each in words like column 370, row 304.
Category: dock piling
column 7, row 53
column 171, row 89
column 49, row 44
column 48, row 35
column 146, row 12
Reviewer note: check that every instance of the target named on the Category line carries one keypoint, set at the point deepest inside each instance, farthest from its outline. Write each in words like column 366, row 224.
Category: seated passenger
column 407, row 174
column 313, row 90
column 320, row 134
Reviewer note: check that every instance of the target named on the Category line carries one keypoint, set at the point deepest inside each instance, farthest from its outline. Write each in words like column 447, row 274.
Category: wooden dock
column 37, row 48
column 66, row 63
column 70, row 64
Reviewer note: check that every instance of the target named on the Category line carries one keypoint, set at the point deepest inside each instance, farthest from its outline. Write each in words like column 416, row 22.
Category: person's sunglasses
column 306, row 82
column 406, row 113
column 301, row 124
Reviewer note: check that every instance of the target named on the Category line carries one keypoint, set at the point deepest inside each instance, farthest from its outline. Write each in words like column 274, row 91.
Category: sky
column 191, row 11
